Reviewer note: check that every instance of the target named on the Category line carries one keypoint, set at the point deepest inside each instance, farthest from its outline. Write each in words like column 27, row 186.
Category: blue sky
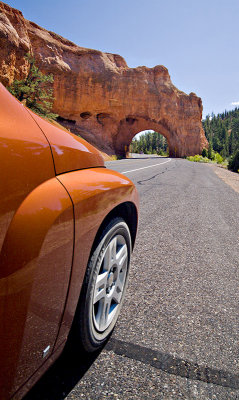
column 196, row 40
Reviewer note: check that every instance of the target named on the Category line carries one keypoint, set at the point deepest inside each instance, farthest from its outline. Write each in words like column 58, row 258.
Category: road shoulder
column 229, row 177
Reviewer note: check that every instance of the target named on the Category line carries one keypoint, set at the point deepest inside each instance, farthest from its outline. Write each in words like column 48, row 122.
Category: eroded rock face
column 97, row 95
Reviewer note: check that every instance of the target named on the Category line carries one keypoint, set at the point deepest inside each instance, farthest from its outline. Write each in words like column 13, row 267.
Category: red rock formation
column 97, row 95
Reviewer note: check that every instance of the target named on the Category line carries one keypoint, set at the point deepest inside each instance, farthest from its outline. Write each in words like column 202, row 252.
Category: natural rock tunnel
column 97, row 95
column 110, row 107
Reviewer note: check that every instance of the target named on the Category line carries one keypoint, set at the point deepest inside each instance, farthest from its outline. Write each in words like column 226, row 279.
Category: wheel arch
column 128, row 212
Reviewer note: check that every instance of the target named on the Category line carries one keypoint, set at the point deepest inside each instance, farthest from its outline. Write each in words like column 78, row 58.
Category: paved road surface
column 177, row 336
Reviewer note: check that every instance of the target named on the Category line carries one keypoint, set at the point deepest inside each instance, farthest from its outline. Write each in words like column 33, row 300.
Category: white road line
column 149, row 166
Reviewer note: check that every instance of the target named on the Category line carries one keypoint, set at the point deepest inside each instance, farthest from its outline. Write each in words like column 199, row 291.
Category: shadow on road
column 63, row 375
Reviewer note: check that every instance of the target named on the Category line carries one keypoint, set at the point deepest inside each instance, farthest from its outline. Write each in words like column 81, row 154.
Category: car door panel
column 35, row 268
column 25, row 157
column 36, row 245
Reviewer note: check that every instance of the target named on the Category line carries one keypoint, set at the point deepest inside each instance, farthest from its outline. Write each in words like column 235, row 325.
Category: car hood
column 69, row 151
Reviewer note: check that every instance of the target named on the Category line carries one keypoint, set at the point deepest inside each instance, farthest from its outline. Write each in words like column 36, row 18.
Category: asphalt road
column 177, row 335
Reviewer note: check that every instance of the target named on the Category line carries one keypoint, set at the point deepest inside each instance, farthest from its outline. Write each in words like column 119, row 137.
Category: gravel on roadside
column 229, row 177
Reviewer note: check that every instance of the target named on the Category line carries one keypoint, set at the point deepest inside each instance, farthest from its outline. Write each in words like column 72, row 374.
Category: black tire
column 104, row 285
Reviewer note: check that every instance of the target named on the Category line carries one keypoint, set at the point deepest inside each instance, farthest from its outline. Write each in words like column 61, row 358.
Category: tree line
column 150, row 143
column 222, row 132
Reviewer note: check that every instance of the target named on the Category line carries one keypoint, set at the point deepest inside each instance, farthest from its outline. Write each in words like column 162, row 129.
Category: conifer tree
column 222, row 131
column 34, row 90
column 210, row 151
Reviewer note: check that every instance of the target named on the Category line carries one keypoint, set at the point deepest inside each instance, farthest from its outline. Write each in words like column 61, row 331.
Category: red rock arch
column 114, row 106
column 127, row 133
column 98, row 95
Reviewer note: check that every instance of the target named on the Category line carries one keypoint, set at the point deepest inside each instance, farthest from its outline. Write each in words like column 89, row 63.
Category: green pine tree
column 222, row 131
column 233, row 164
column 34, row 90
column 210, row 151
column 225, row 141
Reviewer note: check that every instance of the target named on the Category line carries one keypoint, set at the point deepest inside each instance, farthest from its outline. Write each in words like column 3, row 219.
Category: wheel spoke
column 99, row 295
column 119, row 287
column 101, row 280
column 120, row 284
column 110, row 255
column 122, row 255
column 112, row 247
column 104, row 313
column 100, row 287
column 117, row 295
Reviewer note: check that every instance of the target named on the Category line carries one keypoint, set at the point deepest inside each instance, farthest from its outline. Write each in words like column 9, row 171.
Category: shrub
column 198, row 158
column 233, row 164
column 162, row 153
column 218, row 158
column 204, row 153
column 211, row 152
column 35, row 91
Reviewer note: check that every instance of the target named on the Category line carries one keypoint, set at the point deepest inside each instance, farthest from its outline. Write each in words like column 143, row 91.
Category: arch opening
column 131, row 125
column 149, row 142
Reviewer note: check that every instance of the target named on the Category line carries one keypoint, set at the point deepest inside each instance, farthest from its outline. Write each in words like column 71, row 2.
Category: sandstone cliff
column 97, row 95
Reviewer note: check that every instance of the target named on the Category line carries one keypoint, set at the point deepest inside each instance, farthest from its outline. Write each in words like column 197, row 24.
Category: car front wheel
column 104, row 285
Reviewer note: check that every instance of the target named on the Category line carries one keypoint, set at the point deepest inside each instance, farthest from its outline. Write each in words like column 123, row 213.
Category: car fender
column 95, row 193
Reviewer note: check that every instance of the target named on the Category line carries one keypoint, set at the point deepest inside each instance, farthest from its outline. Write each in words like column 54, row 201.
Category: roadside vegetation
column 35, row 91
column 208, row 156
column 222, row 133
column 233, row 164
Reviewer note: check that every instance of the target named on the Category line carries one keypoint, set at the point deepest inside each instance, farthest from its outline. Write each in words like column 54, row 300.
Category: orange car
column 68, row 225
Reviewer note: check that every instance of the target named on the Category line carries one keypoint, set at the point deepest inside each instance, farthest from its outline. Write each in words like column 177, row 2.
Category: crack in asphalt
column 152, row 177
column 168, row 169
column 173, row 365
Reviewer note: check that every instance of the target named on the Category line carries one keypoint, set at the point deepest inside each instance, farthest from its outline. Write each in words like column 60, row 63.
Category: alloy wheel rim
column 110, row 282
